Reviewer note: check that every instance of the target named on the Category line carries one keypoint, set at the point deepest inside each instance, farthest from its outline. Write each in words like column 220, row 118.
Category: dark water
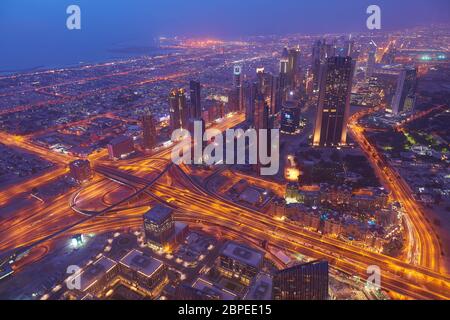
column 63, row 61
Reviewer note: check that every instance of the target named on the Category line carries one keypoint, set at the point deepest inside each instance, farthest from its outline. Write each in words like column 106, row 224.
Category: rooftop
column 261, row 289
column 243, row 253
column 119, row 139
column 211, row 289
column 95, row 271
column 141, row 263
column 158, row 214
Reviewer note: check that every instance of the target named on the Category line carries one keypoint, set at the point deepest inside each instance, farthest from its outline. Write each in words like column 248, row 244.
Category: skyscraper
column 80, row 170
column 317, row 56
column 178, row 111
column 267, row 85
column 321, row 51
column 290, row 118
column 307, row 281
column 149, row 130
column 348, row 47
column 293, row 67
column 284, row 61
column 261, row 117
column 371, row 60
column 251, row 90
column 196, row 108
column 405, row 94
column 159, row 226
column 237, row 86
column 334, row 102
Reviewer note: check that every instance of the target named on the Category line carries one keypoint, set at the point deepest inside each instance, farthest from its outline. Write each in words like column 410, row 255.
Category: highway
column 421, row 283
column 422, row 242
column 193, row 203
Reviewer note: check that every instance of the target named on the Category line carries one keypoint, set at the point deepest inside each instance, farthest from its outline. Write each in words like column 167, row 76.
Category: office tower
column 178, row 111
column 389, row 55
column 307, row 281
column 315, row 63
column 196, row 108
column 283, row 78
column 290, row 118
column 144, row 270
column 293, row 67
column 80, row 170
column 261, row 117
column 284, row 62
column 268, row 87
column 371, row 60
column 330, row 50
column 320, row 52
column 159, row 226
column 120, row 147
column 405, row 94
column 349, row 47
column 250, row 93
column 370, row 64
column 237, row 87
column 237, row 261
column 261, row 76
column 233, row 100
column 293, row 60
column 334, row 102
column 149, row 130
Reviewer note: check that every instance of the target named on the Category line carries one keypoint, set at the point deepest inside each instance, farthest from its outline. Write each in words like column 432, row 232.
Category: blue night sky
column 33, row 32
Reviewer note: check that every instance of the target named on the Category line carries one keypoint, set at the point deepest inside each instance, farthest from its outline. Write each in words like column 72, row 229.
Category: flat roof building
column 159, row 226
column 237, row 261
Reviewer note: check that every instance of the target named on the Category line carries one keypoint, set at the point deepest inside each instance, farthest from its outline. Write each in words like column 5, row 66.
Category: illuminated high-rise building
column 405, row 94
column 284, row 62
column 318, row 55
column 371, row 60
column 290, row 118
column 80, row 170
column 239, row 262
column 321, row 51
column 267, row 85
column 178, row 110
column 237, row 87
column 334, row 102
column 349, row 47
column 293, row 67
column 261, row 117
column 195, row 94
column 293, row 59
column 120, row 147
column 307, row 281
column 148, row 130
column 158, row 226
column 250, row 93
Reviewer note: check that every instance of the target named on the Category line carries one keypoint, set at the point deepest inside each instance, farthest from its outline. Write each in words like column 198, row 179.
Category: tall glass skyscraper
column 334, row 102
column 307, row 281
column 195, row 94
column 178, row 110
column 405, row 94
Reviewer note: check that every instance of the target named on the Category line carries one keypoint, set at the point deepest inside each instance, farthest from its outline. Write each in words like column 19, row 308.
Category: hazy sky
column 34, row 31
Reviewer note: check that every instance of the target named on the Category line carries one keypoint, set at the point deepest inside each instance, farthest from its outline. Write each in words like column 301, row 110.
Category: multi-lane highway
column 422, row 241
column 195, row 204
